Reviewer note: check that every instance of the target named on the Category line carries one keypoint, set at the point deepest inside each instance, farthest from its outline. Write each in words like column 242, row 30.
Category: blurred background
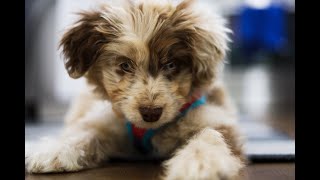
column 260, row 73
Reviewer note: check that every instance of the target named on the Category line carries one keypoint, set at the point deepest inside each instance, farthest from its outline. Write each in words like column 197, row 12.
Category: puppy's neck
column 195, row 94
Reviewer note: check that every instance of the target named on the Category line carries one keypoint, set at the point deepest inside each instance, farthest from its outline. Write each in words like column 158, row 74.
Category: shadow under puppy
column 153, row 89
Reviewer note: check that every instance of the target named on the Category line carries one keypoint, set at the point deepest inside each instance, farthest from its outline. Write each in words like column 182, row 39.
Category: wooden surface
column 151, row 171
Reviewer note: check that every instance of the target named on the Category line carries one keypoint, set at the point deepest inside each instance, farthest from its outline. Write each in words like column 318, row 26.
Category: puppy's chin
column 139, row 122
column 147, row 125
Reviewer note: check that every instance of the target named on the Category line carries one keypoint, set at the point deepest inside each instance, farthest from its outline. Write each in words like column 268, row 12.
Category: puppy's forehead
column 147, row 37
column 134, row 48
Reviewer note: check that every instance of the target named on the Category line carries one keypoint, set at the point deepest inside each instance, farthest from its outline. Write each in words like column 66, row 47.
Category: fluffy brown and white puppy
column 143, row 61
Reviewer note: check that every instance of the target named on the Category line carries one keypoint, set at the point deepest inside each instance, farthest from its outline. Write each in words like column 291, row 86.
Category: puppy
column 154, row 90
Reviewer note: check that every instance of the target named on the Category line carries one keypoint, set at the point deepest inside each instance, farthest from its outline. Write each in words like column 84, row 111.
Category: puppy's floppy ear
column 83, row 43
column 210, row 38
column 209, row 52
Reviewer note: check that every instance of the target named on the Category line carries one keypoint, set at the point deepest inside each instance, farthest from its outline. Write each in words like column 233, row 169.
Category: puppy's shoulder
column 86, row 102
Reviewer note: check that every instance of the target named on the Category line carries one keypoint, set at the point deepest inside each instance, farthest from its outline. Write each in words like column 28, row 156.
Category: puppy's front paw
column 51, row 156
column 200, row 161
column 189, row 168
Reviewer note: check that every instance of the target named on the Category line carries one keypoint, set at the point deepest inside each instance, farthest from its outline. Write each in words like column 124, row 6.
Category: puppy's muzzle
column 150, row 114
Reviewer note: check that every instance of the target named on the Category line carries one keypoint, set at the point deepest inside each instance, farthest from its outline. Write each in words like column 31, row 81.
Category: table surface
column 139, row 171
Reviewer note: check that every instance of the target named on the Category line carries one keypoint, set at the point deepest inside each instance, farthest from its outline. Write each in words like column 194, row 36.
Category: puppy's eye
column 170, row 66
column 126, row 67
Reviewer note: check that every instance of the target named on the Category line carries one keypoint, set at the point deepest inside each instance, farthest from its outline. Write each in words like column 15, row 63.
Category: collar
column 141, row 137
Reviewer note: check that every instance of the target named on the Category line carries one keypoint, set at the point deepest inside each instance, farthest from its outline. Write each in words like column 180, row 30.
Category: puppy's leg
column 82, row 145
column 205, row 156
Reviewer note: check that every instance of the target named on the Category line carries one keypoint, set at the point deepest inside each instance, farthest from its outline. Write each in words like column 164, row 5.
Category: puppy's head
column 147, row 58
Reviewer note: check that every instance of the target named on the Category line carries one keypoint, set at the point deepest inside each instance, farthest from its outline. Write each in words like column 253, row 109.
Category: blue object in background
column 262, row 29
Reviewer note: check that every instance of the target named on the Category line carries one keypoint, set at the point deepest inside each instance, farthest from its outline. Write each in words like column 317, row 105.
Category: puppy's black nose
column 150, row 114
